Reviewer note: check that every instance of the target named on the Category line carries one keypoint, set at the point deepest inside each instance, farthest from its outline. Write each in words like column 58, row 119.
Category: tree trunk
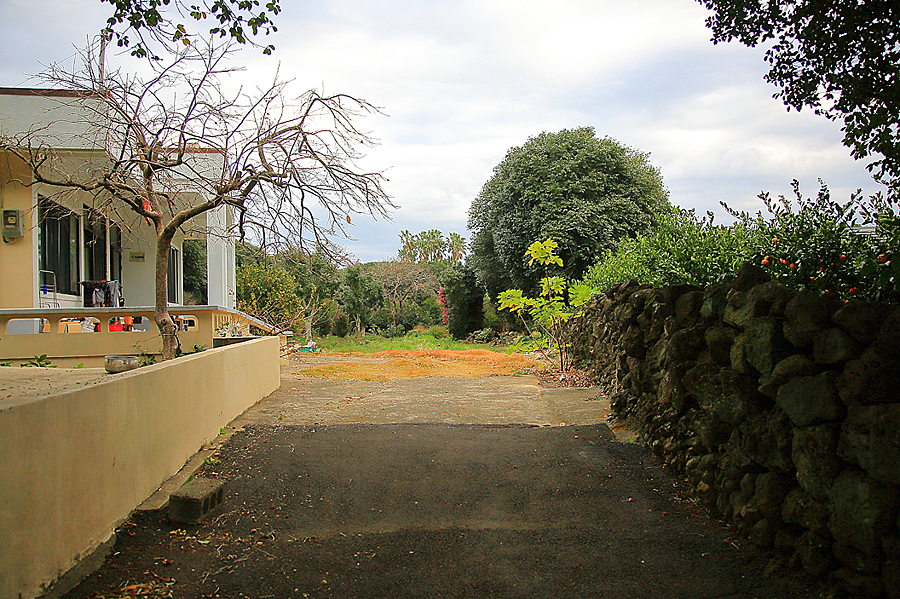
column 161, row 315
column 307, row 326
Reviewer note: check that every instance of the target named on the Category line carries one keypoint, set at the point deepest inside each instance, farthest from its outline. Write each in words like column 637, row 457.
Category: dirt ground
column 434, row 487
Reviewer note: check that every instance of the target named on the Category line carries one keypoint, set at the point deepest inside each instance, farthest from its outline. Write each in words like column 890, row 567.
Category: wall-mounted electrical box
column 13, row 224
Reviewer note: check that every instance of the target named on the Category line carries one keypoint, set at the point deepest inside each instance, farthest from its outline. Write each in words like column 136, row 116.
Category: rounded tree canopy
column 586, row 193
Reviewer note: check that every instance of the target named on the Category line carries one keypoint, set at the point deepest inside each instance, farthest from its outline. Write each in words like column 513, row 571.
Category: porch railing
column 71, row 336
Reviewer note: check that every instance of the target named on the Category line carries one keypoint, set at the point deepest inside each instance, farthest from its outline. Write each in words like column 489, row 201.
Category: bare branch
column 174, row 146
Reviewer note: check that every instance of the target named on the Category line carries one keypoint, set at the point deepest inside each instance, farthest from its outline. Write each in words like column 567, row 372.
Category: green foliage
column 838, row 58
column 431, row 246
column 247, row 253
column 41, row 361
column 438, row 332
column 549, row 309
column 412, row 341
column 194, row 260
column 465, row 300
column 404, row 285
column 292, row 289
column 269, row 292
column 684, row 249
column 147, row 19
column 360, row 295
column 814, row 243
column 811, row 243
column 428, row 311
column 584, row 192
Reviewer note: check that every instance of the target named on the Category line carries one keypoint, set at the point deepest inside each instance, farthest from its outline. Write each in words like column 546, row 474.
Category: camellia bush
column 840, row 250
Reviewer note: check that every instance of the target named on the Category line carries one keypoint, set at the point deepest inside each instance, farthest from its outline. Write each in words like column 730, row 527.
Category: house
column 85, row 456
column 53, row 243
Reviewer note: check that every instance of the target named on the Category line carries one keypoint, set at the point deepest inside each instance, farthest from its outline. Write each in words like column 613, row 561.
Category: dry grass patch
column 396, row 364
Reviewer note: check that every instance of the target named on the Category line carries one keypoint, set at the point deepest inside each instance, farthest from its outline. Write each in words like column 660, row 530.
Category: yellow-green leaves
column 549, row 311
column 544, row 253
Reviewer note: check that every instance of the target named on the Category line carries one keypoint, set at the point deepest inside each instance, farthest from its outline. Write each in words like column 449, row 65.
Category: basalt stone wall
column 782, row 408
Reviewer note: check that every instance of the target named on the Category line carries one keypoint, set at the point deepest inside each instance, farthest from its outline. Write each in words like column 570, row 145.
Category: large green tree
column 838, row 57
column 584, row 192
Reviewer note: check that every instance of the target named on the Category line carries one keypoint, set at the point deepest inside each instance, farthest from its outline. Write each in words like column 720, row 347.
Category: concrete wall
column 75, row 465
column 779, row 406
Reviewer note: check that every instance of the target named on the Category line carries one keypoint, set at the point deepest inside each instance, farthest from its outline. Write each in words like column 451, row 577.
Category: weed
column 144, row 359
column 41, row 361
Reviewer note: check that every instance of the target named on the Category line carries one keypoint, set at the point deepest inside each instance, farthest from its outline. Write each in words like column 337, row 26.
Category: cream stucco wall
column 76, row 464
column 18, row 288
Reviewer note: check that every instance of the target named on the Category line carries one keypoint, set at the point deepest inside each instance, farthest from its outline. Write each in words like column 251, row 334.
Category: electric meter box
column 13, row 224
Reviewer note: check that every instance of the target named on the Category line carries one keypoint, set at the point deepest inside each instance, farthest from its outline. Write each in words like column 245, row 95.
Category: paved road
column 435, row 488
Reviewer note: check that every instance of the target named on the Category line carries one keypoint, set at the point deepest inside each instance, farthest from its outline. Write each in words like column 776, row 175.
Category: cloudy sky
column 462, row 81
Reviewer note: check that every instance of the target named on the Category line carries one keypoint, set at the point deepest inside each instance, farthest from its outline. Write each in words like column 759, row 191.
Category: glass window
column 115, row 253
column 94, row 245
column 58, row 245
column 172, row 275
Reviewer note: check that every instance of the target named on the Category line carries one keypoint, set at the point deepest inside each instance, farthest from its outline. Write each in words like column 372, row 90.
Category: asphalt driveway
column 430, row 488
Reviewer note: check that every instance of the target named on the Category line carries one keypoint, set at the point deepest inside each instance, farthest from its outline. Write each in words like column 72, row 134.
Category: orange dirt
column 396, row 364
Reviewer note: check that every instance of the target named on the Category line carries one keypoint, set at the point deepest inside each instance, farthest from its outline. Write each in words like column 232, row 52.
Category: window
column 115, row 252
column 58, row 244
column 172, row 276
column 94, row 245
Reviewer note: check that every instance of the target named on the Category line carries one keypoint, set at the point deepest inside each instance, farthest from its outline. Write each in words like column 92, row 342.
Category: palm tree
column 457, row 246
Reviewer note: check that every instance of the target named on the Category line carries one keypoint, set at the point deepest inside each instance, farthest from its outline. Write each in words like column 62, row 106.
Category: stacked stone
column 781, row 407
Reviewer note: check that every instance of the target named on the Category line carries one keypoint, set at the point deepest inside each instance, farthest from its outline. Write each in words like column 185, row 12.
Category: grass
column 412, row 341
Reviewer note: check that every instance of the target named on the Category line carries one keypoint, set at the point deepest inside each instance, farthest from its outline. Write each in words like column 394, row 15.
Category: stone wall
column 782, row 409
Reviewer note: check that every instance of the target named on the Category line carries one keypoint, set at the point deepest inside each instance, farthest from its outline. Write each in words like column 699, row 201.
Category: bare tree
column 176, row 146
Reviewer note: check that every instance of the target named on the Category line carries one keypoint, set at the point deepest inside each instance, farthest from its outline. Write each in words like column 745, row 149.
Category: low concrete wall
column 75, row 464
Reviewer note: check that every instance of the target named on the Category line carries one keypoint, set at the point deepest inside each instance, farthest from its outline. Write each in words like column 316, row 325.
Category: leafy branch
column 549, row 310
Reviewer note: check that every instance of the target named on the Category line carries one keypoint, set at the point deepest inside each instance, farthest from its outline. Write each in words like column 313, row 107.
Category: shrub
column 811, row 243
column 340, row 326
column 268, row 292
column 684, row 250
column 394, row 331
column 465, row 300
column 557, row 303
column 438, row 331
column 814, row 243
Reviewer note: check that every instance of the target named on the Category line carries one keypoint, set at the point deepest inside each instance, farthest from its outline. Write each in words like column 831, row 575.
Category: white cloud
column 464, row 80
